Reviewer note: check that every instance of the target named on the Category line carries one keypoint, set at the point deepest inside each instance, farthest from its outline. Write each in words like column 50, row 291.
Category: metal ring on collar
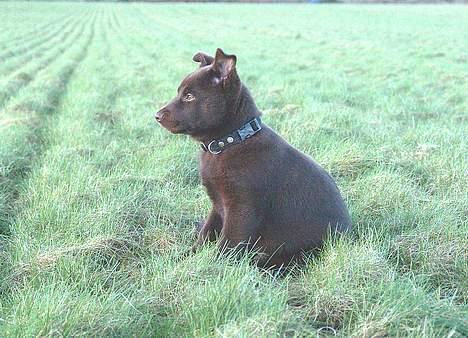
column 212, row 151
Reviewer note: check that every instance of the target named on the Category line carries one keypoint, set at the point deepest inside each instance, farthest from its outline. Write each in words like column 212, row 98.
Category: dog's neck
column 244, row 109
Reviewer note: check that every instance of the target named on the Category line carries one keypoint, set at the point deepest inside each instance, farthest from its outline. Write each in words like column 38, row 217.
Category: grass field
column 97, row 202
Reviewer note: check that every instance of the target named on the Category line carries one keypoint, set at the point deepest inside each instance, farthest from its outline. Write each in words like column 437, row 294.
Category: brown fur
column 265, row 194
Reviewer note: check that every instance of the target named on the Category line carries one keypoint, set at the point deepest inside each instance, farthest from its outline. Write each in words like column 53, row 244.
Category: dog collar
column 217, row 146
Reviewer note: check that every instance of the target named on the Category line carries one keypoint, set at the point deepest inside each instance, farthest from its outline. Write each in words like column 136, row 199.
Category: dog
column 266, row 195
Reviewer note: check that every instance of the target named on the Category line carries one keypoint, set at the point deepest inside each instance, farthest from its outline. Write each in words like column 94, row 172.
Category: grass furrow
column 102, row 229
column 29, row 17
column 18, row 50
column 22, row 37
column 103, row 110
column 23, row 76
column 15, row 60
column 23, row 123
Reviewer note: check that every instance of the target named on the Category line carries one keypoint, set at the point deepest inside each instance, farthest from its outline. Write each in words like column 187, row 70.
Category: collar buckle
column 237, row 136
column 249, row 129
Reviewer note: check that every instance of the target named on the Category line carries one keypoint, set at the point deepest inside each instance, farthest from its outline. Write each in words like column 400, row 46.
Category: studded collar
column 217, row 146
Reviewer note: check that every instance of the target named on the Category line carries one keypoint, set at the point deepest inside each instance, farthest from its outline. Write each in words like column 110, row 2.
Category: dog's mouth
column 174, row 127
column 179, row 131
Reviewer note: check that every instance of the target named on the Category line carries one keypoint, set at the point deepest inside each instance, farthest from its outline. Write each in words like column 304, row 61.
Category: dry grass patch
column 441, row 258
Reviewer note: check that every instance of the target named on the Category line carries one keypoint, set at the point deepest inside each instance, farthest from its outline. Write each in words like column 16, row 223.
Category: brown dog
column 266, row 195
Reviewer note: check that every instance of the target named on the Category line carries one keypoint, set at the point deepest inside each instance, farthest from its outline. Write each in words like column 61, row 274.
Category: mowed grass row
column 16, row 50
column 108, row 208
column 17, row 57
column 24, row 73
column 34, row 21
column 24, row 120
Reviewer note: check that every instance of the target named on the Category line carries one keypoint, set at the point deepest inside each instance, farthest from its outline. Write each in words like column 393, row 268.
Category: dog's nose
column 160, row 114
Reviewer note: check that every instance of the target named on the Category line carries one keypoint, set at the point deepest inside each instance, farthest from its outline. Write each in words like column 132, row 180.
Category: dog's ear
column 224, row 65
column 203, row 58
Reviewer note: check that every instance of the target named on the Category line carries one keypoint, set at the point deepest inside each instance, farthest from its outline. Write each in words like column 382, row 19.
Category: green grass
column 98, row 203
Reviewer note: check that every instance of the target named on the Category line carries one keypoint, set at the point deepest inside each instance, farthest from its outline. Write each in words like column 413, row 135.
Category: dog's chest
column 213, row 172
column 217, row 176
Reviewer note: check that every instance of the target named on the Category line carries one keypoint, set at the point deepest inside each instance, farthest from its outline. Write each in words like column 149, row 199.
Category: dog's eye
column 188, row 97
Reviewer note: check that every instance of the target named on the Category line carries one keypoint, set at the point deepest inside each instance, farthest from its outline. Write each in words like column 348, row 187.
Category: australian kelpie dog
column 266, row 195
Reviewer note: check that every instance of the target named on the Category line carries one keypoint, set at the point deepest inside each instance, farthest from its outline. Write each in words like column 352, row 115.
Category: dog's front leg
column 240, row 231
column 210, row 230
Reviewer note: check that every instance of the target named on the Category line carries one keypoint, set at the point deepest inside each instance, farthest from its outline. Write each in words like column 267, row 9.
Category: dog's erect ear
column 224, row 64
column 203, row 58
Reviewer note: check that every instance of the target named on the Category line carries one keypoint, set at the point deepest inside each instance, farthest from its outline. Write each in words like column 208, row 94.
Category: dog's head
column 205, row 98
